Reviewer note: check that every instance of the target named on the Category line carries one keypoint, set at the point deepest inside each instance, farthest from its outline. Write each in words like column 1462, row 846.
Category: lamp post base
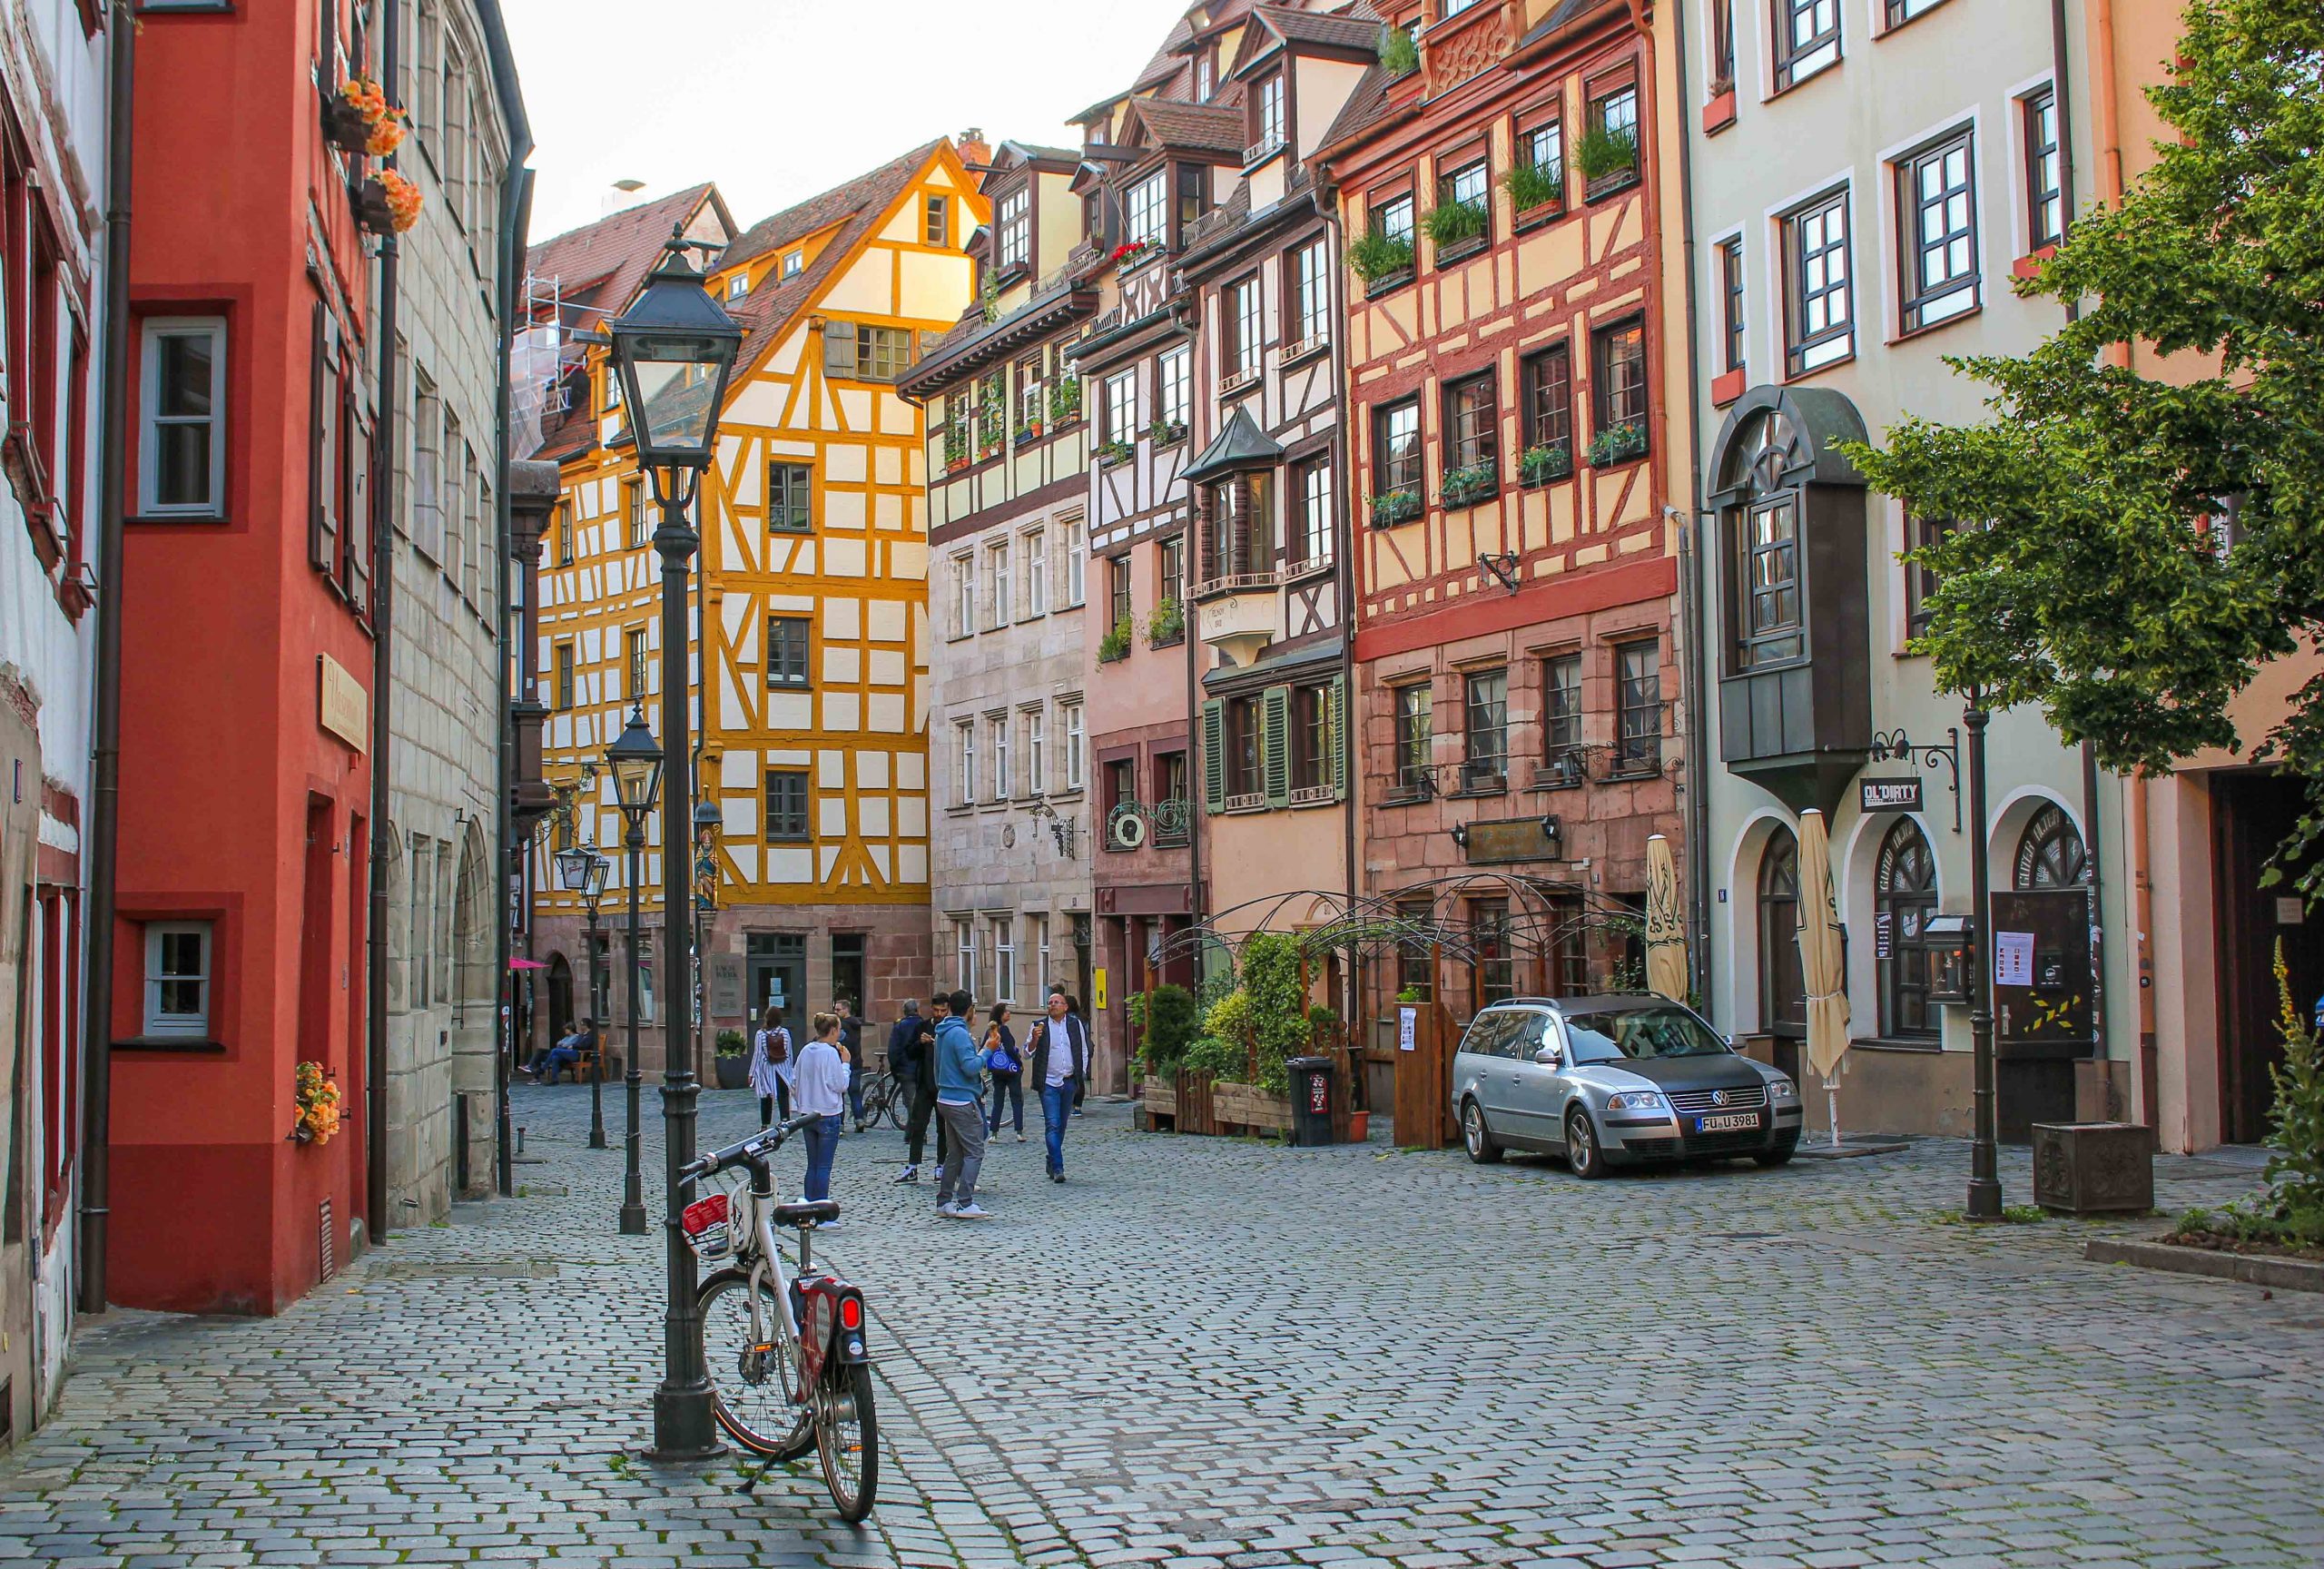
column 632, row 1220
column 685, row 1425
column 1984, row 1199
column 598, row 1138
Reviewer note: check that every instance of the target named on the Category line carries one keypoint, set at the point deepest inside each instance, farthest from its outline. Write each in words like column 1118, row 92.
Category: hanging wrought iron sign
column 1896, row 746
column 1133, row 823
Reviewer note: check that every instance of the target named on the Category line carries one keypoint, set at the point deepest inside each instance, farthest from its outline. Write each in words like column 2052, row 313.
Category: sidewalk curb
column 2250, row 1269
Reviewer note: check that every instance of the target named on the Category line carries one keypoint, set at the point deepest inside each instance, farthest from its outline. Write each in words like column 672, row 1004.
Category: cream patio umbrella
column 1666, row 939
column 1820, row 963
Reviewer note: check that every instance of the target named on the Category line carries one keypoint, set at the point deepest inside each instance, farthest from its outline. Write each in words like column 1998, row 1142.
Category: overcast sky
column 776, row 100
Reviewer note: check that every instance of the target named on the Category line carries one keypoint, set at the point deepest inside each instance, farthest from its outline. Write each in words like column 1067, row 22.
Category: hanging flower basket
column 317, row 1099
column 358, row 118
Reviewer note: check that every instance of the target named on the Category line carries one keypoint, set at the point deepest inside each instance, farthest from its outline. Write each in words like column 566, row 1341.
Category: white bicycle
column 785, row 1352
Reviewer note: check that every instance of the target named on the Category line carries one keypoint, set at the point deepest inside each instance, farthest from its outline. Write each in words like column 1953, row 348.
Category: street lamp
column 636, row 764
column 708, row 822
column 1985, row 1166
column 674, row 349
column 581, row 870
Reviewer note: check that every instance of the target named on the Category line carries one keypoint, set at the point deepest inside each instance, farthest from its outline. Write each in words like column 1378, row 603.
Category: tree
column 2146, row 546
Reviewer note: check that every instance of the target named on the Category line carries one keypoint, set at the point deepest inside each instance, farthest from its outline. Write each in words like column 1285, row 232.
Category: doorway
column 2252, row 811
column 776, row 973
column 560, row 998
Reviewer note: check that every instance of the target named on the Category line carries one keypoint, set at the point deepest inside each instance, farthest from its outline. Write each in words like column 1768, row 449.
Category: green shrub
column 1378, row 255
column 2296, row 1169
column 731, row 1043
column 1216, row 1058
column 1601, row 152
column 1167, row 1019
column 1167, row 624
column 1399, row 55
column 1454, row 222
column 1115, row 645
column 1530, row 185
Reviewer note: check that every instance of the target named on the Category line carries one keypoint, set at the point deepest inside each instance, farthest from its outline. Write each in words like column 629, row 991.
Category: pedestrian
column 958, row 1069
column 819, row 1080
column 1007, row 1068
column 565, row 1053
column 772, row 1067
column 851, row 1040
column 1059, row 1055
column 916, row 1070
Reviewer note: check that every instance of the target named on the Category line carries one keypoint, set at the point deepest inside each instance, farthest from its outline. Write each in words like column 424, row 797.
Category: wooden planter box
column 1159, row 1097
column 2094, row 1168
column 1194, row 1104
column 1247, row 1106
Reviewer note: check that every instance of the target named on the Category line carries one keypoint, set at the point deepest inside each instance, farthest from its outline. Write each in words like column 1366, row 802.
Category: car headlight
column 1636, row 1100
column 1781, row 1090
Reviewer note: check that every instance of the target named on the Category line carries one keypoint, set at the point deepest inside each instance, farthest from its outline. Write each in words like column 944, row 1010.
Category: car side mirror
column 1549, row 1057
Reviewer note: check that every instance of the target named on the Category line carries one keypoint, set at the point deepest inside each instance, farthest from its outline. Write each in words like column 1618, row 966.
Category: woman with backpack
column 1008, row 1070
column 770, row 1067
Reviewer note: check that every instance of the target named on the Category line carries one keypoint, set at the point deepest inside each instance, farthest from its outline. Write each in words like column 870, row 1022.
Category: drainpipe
column 104, row 792
column 383, row 621
column 1691, row 565
column 1343, row 581
column 516, row 218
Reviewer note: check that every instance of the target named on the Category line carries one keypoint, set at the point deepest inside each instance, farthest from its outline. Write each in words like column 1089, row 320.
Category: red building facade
column 240, row 936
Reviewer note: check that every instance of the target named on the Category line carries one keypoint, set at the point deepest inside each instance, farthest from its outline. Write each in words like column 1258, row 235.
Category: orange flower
column 387, row 135
column 404, row 200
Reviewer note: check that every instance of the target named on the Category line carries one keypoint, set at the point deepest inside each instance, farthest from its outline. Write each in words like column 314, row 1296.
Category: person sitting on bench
column 565, row 1053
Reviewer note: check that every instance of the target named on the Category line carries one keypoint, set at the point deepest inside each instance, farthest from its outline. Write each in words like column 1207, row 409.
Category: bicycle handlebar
column 763, row 1143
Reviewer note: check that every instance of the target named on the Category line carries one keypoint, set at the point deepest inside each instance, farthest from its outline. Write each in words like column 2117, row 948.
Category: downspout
column 383, row 618
column 1691, row 549
column 104, row 792
column 516, row 216
column 1343, row 524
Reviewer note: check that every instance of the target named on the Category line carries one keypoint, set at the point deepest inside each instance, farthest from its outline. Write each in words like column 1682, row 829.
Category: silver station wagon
column 1615, row 1080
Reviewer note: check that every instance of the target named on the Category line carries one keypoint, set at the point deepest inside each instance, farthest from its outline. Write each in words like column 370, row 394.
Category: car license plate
column 1729, row 1123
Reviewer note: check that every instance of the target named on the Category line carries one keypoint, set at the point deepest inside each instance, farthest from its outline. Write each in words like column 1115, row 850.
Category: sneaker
column 945, row 1211
column 859, row 1124
column 909, row 1174
column 1020, row 1137
column 971, row 1211
column 1057, row 1176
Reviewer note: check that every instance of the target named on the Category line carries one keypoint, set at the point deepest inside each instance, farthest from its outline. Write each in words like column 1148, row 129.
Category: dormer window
column 1266, row 119
column 1205, row 75
column 794, row 263
column 738, row 285
column 1147, row 214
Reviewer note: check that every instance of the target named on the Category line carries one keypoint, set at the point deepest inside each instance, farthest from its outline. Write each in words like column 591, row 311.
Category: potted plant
column 1412, row 994
column 956, row 443
column 1115, row 451
column 1399, row 55
column 1544, row 461
column 1467, row 486
column 1456, row 225
column 1607, row 157
column 1532, row 188
column 1114, row 644
column 1130, row 250
column 1378, row 257
column 387, row 203
column 1166, row 626
column 1161, row 433
column 733, row 1061
column 1028, row 434
column 1393, row 506
column 1065, row 399
column 316, row 1101
column 1618, row 444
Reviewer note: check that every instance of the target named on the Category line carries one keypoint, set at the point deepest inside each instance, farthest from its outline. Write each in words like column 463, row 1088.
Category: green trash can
column 1312, row 1091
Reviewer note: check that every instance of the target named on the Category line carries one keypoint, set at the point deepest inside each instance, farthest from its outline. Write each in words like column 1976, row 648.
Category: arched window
column 1783, row 988
column 2051, row 854
column 1906, row 889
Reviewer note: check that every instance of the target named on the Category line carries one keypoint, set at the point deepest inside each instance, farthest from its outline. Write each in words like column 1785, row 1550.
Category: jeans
column 923, row 1108
column 855, row 1091
column 1057, row 1110
column 1011, row 1086
column 823, row 1143
column 556, row 1057
column 966, row 1125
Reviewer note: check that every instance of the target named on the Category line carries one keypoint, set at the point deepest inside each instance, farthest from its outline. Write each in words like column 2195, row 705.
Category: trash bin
column 1310, row 1100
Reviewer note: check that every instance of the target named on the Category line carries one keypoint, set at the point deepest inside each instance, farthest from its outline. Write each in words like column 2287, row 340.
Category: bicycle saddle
column 806, row 1214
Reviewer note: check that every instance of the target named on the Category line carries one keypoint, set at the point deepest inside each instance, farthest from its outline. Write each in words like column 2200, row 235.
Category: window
column 1808, row 39
column 964, row 595
column 1920, row 582
column 1783, row 988
column 794, row 263
column 1036, row 724
column 1730, row 294
column 787, row 650
column 738, row 285
column 2046, row 197
column 1037, row 938
column 1905, row 897
column 1013, row 228
column 1149, row 219
column 1618, row 357
column 1471, row 423
column 1117, row 605
column 1395, row 449
column 422, row 947
column 1119, row 408
column 1416, row 956
column 881, row 353
column 1770, row 619
column 1722, row 46
column 996, row 579
column 1239, row 541
column 183, row 441
column 1637, row 707
column 964, row 763
column 1493, row 971
column 1267, row 118
column 1194, row 195
column 1454, row 7
column 561, row 533
column 1032, row 401
column 936, row 221
column 1170, row 774
column 1205, row 76
column 1415, row 736
column 1034, row 550
column 1822, row 325
column 1614, row 121
column 1392, row 218
column 1485, row 739
column 790, row 496
column 1173, row 382
column 1311, row 745
column 1936, row 205
column 1121, row 786
column 564, row 677
column 964, row 944
column 1004, row 958
column 1899, row 12
column 633, row 658
column 1549, row 399
column 1310, row 493
column 1540, row 147
column 1244, row 782
column 1239, row 353
column 177, row 979
column 1073, row 748
column 426, row 468
column 1002, row 780
column 1076, row 561
column 1561, row 705
column 1468, row 185
column 786, row 803
column 1170, row 568
column 1309, row 319
column 633, row 509
column 2051, row 854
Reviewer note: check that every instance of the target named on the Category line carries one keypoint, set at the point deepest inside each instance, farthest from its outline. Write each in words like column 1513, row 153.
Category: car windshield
column 1617, row 1033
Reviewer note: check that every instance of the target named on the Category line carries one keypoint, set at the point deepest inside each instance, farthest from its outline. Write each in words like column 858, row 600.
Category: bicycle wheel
column 751, row 1383
column 899, row 1106
column 847, row 1435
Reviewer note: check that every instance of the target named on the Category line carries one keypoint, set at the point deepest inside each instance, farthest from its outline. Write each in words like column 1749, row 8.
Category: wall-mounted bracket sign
column 1517, row 839
column 1889, row 795
column 1896, row 746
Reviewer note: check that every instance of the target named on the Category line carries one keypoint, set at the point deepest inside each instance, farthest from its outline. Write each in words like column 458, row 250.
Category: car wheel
column 1474, row 1135
column 1582, row 1155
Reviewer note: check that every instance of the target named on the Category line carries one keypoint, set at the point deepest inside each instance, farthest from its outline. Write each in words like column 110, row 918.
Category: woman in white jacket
column 772, row 1062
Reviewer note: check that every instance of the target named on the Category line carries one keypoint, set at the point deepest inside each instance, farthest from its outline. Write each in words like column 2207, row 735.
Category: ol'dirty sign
column 345, row 706
column 1888, row 794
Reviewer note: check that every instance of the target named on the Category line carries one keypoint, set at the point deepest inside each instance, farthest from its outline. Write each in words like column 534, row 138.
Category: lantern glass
column 1949, row 938
column 636, row 765
column 573, row 868
column 674, row 349
column 600, row 867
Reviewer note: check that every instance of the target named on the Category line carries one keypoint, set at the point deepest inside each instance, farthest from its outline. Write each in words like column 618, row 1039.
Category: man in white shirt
column 1059, row 1064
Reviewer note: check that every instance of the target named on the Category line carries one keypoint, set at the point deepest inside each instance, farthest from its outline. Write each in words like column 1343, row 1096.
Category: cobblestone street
column 1206, row 1351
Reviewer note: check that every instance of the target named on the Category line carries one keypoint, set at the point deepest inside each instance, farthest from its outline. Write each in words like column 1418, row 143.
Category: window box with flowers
column 1457, row 227
column 1616, row 444
column 1545, row 462
column 1065, row 401
column 1162, row 432
column 1167, row 627
column 1114, row 644
column 388, row 204
column 1383, row 262
column 316, row 1099
column 1535, row 192
column 1391, row 508
column 1608, row 159
column 1132, row 255
column 357, row 118
column 1467, row 486
column 1111, row 452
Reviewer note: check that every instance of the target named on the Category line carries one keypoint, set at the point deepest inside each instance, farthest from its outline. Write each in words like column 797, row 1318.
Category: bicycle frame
column 823, row 1317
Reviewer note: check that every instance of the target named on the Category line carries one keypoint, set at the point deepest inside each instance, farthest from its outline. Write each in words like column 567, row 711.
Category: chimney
column 974, row 150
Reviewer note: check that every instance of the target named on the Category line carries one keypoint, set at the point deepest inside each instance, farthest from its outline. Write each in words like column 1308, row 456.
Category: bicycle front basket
column 706, row 1229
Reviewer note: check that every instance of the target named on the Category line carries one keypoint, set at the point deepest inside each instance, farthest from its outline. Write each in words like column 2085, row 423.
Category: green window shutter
column 1274, row 743
column 839, row 348
column 1336, row 735
column 1214, row 756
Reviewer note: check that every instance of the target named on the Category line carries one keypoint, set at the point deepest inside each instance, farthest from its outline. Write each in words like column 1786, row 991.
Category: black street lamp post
column 707, row 823
column 636, row 766
column 1984, row 1168
column 674, row 349
column 583, row 870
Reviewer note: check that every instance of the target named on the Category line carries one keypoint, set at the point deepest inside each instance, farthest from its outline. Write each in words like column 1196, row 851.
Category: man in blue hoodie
column 959, row 1074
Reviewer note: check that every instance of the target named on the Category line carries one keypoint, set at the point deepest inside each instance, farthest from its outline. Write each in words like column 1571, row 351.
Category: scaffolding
column 547, row 351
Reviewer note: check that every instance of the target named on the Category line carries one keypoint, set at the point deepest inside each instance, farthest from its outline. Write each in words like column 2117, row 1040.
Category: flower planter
column 1395, row 507
column 2094, row 1168
column 734, row 1072
column 1234, row 1105
column 1466, row 488
column 1160, row 1099
column 1622, row 444
column 1548, row 467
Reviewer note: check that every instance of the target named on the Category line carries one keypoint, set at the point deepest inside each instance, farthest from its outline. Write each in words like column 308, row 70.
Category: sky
column 776, row 100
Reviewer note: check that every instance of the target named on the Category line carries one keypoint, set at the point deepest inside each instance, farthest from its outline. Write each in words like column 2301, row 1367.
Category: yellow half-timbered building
column 810, row 656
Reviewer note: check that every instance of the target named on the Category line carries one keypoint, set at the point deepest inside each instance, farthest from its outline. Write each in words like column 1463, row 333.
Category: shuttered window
column 322, row 442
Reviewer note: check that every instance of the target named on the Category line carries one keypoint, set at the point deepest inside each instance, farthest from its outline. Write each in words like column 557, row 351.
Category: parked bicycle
column 785, row 1352
column 887, row 1098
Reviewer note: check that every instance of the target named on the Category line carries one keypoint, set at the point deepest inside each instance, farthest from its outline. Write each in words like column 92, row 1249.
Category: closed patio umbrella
column 1666, row 939
column 1820, row 963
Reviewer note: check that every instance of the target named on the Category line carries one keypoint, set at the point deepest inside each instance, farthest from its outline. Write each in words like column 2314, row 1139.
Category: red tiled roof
column 1193, row 127
column 1357, row 27
column 602, row 264
column 820, row 212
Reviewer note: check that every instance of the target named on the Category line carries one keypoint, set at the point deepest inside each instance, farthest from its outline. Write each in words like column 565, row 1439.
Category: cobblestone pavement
column 1213, row 1352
